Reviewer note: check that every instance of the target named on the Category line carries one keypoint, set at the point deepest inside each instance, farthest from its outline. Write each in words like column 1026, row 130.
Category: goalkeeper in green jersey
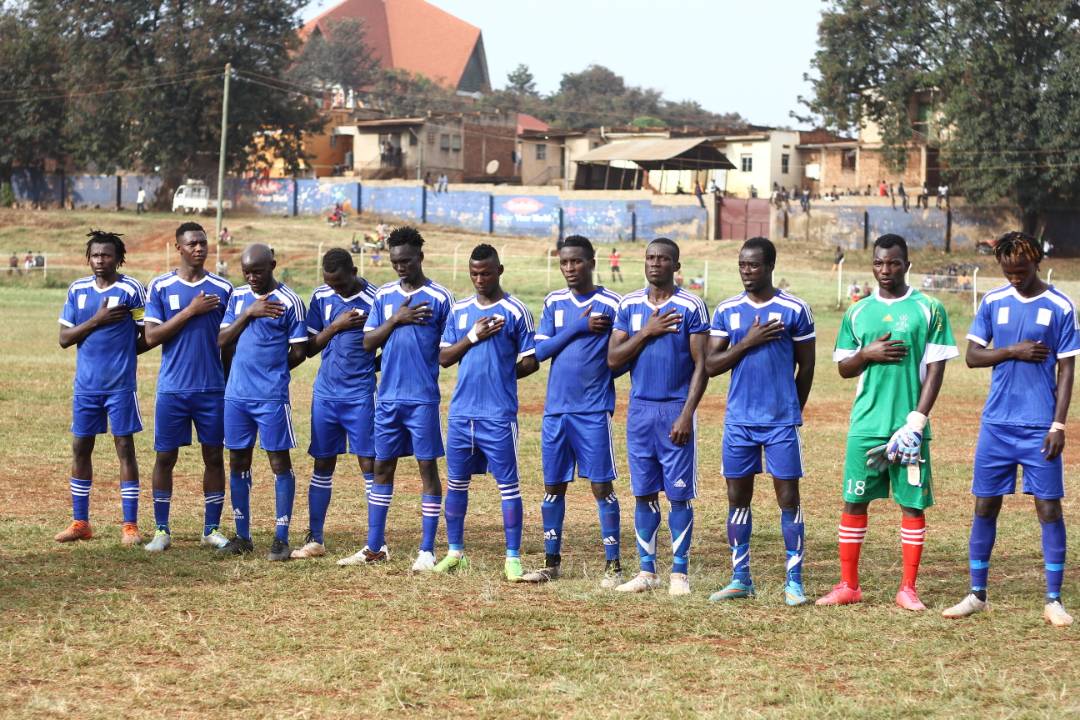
column 896, row 341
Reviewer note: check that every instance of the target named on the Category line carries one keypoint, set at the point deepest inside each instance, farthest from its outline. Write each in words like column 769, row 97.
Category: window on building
column 333, row 140
column 455, row 142
column 541, row 151
column 847, row 160
column 747, row 163
column 785, row 163
column 444, row 141
column 413, row 139
column 431, row 137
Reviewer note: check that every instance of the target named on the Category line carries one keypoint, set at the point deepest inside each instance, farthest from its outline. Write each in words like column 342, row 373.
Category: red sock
column 912, row 537
column 852, row 534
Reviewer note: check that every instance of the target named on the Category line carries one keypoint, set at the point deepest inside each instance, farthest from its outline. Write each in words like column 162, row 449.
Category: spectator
column 783, row 284
column 225, row 237
column 838, row 256
column 444, row 184
column 1047, row 247
column 713, row 189
column 376, row 257
column 805, row 201
column 427, row 179
column 942, row 195
column 355, row 249
column 903, row 196
column 140, row 201
column 866, row 289
column 892, row 196
column 613, row 262
column 855, row 291
column 924, row 198
column 13, row 264
column 223, row 268
column 699, row 193
column 39, row 260
column 883, row 189
column 28, row 261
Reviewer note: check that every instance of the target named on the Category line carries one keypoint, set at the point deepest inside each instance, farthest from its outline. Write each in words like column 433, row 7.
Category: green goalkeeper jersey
column 887, row 392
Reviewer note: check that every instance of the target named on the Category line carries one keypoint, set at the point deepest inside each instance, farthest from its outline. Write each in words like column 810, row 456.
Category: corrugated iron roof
column 650, row 153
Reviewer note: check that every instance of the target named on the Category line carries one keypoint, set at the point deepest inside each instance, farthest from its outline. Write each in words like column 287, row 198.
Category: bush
column 7, row 195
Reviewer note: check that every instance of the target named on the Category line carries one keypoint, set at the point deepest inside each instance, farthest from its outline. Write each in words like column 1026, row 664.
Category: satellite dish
column 492, row 167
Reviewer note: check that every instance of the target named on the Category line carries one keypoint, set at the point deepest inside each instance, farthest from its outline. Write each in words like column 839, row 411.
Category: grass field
column 97, row 631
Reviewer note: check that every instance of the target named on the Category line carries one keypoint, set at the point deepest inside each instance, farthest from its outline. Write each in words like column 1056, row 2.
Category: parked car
column 194, row 197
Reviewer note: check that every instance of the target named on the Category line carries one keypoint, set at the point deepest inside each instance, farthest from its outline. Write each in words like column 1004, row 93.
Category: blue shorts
column 89, row 414
column 403, row 429
column 743, row 444
column 1001, row 448
column 473, row 447
column 655, row 462
column 582, row 441
column 175, row 412
column 272, row 421
column 332, row 421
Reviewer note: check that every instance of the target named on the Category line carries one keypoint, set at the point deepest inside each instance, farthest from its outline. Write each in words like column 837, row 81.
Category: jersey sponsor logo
column 1043, row 316
column 388, row 310
column 462, row 321
column 239, row 307
column 1003, row 316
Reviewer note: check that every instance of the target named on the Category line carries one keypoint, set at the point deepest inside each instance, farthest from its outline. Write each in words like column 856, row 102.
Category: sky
column 729, row 55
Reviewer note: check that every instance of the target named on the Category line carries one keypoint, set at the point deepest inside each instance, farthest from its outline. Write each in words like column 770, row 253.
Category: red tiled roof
column 528, row 122
column 410, row 35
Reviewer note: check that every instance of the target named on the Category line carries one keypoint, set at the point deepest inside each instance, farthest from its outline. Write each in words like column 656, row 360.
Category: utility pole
column 221, row 164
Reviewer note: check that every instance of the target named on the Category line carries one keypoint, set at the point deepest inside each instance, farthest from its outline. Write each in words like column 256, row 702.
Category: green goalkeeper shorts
column 863, row 484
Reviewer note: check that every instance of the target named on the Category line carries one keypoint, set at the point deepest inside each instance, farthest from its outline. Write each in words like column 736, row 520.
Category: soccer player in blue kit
column 1033, row 329
column 662, row 331
column 265, row 321
column 103, row 317
column 343, row 398
column 765, row 337
column 184, row 308
column 406, row 321
column 491, row 335
column 576, row 431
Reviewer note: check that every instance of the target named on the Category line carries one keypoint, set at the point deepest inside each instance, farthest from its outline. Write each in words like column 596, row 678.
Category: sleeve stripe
column 976, row 339
column 312, row 330
column 842, row 354
column 542, row 337
column 66, row 323
column 297, row 340
column 152, row 319
column 527, row 353
column 718, row 333
column 802, row 338
column 936, row 353
column 1068, row 354
column 445, row 344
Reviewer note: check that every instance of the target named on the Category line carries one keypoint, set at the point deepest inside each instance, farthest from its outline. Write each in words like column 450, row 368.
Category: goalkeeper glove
column 876, row 460
column 905, row 445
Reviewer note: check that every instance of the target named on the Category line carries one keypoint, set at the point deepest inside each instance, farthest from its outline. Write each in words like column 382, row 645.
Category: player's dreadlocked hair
column 337, row 259
column 405, row 235
column 106, row 238
column 1014, row 246
column 582, row 242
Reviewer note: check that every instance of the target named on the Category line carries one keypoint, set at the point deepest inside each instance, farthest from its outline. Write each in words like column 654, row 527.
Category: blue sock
column 553, row 512
column 162, row 500
column 240, row 495
column 1053, row 543
column 284, row 493
column 80, row 499
column 319, row 492
column 430, row 507
column 513, row 514
column 129, row 501
column 457, row 504
column 980, row 545
column 681, row 524
column 793, row 530
column 378, row 506
column 646, row 523
column 369, row 480
column 213, row 502
column 608, row 509
column 740, row 521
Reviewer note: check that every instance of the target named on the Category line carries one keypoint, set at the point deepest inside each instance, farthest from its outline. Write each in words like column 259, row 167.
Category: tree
column 340, row 58
column 31, row 100
column 1003, row 75
column 520, row 81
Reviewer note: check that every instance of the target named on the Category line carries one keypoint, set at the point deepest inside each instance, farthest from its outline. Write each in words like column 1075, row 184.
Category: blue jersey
column 1025, row 393
column 762, row 390
column 347, row 371
column 105, row 359
column 487, row 376
column 579, row 380
column 260, row 366
column 190, row 359
column 410, row 356
column 661, row 372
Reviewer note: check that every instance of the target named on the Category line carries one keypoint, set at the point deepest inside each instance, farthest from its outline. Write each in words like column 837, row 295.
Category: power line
column 110, row 91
